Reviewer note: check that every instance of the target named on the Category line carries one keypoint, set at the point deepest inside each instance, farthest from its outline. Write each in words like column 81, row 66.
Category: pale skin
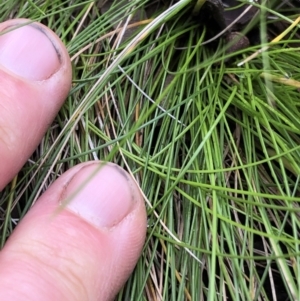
column 87, row 249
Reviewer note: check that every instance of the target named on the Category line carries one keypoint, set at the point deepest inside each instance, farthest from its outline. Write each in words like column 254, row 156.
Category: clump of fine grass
column 214, row 147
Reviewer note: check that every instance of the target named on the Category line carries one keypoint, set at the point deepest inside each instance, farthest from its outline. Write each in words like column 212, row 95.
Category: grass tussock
column 215, row 147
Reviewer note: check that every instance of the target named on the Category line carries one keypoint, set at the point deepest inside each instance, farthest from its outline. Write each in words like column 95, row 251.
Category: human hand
column 74, row 244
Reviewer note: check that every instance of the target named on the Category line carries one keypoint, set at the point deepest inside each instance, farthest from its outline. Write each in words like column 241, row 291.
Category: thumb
column 80, row 241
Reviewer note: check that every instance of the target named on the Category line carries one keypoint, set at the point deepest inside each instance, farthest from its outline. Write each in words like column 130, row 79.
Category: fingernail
column 101, row 194
column 28, row 52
